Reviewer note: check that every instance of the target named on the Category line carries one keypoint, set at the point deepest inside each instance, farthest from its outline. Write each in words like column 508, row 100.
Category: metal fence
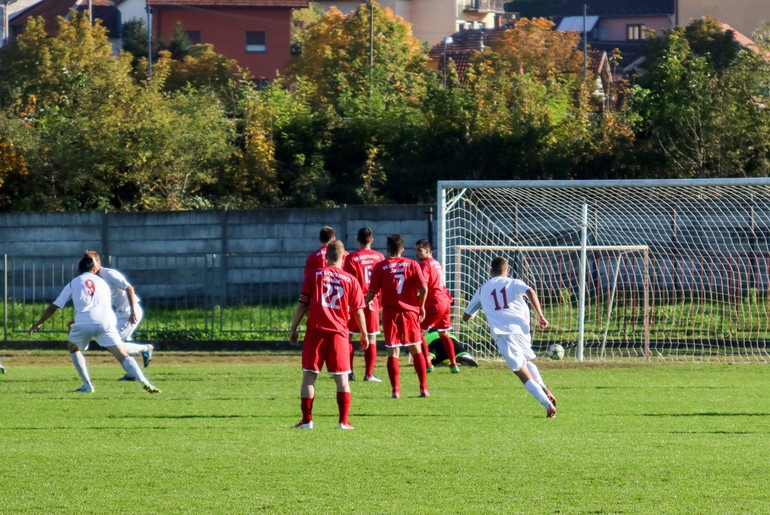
column 199, row 296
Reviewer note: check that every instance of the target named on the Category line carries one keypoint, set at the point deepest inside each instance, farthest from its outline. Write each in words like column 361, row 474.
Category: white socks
column 535, row 373
column 537, row 392
column 130, row 366
column 133, row 348
column 81, row 366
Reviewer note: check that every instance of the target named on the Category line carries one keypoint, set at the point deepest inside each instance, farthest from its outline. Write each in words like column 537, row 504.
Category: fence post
column 5, row 297
column 105, row 251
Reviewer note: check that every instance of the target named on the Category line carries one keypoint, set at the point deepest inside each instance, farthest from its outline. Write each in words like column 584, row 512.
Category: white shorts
column 125, row 328
column 516, row 349
column 106, row 335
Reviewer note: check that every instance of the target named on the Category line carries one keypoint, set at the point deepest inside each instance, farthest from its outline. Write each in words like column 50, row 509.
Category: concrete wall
column 233, row 256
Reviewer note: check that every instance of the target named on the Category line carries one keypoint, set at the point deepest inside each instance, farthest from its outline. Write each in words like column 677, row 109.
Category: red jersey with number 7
column 398, row 278
column 333, row 296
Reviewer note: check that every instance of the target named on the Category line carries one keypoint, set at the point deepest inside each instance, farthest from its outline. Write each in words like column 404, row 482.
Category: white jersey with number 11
column 502, row 299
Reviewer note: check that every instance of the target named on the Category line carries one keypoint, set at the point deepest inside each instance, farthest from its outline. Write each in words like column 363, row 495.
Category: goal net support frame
column 670, row 269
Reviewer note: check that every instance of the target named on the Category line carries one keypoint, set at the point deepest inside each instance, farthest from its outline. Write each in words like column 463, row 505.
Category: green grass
column 628, row 439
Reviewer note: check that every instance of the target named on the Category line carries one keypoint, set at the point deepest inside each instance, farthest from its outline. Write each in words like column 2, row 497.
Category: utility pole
column 585, row 43
column 371, row 47
column 149, row 43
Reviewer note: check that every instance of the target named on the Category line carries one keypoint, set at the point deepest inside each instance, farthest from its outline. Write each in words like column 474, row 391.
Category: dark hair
column 395, row 244
column 423, row 244
column 365, row 235
column 334, row 251
column 87, row 264
column 498, row 265
column 326, row 236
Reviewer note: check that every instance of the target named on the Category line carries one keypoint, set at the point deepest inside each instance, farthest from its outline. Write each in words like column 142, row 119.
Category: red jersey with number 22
column 333, row 296
column 398, row 279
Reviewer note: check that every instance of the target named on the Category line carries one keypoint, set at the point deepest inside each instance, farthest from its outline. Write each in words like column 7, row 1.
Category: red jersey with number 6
column 360, row 264
column 333, row 296
column 398, row 279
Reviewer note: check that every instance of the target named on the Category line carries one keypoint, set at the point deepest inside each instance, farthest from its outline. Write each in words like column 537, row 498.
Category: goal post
column 642, row 269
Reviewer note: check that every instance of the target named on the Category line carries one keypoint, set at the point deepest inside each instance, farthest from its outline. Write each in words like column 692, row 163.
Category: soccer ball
column 555, row 351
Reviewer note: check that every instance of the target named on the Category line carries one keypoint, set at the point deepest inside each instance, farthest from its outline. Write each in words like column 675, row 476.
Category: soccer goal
column 645, row 269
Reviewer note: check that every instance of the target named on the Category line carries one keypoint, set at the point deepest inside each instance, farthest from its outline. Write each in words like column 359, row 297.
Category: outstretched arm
column 535, row 301
column 50, row 310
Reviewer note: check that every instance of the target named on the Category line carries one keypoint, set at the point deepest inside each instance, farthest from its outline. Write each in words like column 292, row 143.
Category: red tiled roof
column 232, row 3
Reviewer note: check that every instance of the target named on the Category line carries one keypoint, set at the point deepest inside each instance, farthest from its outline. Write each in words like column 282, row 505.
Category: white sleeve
column 64, row 297
column 474, row 305
column 518, row 288
column 114, row 278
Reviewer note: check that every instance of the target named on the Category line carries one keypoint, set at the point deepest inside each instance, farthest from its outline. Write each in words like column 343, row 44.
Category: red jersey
column 317, row 260
column 398, row 279
column 359, row 264
column 333, row 296
column 437, row 292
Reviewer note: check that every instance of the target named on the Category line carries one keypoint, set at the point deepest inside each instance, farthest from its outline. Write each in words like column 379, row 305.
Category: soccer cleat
column 455, row 369
column 551, row 413
column 372, row 379
column 127, row 378
column 307, row 425
column 344, row 425
column 424, row 393
column 147, row 355
column 351, row 377
column 430, row 369
column 396, row 394
column 86, row 388
column 550, row 396
column 150, row 388
column 467, row 360
column 2, row 369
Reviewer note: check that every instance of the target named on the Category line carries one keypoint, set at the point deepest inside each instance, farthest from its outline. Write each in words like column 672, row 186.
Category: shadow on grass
column 707, row 414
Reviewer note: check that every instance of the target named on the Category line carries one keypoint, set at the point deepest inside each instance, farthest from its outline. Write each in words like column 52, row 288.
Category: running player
column 438, row 304
column 94, row 319
column 128, row 311
column 359, row 264
column 502, row 300
column 403, row 307
column 330, row 296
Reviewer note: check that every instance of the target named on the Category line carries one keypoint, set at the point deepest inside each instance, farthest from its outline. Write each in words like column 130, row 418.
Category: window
column 633, row 32
column 256, row 42
column 194, row 36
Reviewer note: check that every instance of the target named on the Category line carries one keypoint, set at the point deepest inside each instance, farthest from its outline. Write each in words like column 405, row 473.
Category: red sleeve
column 347, row 266
column 420, row 276
column 356, row 298
column 308, row 286
column 374, row 284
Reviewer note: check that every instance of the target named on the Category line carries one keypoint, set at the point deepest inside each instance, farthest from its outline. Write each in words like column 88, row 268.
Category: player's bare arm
column 50, row 310
column 299, row 314
column 535, row 301
column 467, row 316
column 370, row 299
column 132, row 304
column 359, row 314
column 422, row 294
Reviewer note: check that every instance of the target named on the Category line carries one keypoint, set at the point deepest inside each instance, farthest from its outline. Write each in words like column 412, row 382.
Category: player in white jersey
column 502, row 300
column 129, row 312
column 94, row 320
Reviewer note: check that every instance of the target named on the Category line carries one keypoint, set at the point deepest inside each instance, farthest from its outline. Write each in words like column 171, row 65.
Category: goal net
column 667, row 269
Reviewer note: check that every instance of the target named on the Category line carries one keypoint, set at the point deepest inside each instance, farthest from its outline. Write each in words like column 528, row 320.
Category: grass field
column 646, row 438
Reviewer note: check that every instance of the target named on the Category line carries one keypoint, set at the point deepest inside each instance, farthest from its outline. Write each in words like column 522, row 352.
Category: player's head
column 365, row 237
column 95, row 256
column 499, row 266
column 86, row 264
column 335, row 251
column 326, row 236
column 422, row 250
column 395, row 245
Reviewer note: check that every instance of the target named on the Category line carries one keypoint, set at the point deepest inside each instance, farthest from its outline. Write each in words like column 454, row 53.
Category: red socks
column 393, row 372
column 449, row 347
column 425, row 351
column 418, row 360
column 370, row 356
column 307, row 409
column 343, row 403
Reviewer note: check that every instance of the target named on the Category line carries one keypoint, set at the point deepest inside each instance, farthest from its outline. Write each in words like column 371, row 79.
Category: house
column 256, row 33
column 9, row 9
column 132, row 10
column 744, row 16
column 431, row 20
column 49, row 10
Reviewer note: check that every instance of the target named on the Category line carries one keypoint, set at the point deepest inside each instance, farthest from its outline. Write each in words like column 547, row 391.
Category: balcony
column 485, row 6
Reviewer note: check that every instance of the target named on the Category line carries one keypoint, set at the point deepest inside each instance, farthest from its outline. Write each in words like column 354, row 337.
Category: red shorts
column 401, row 328
column 321, row 347
column 437, row 316
column 372, row 322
